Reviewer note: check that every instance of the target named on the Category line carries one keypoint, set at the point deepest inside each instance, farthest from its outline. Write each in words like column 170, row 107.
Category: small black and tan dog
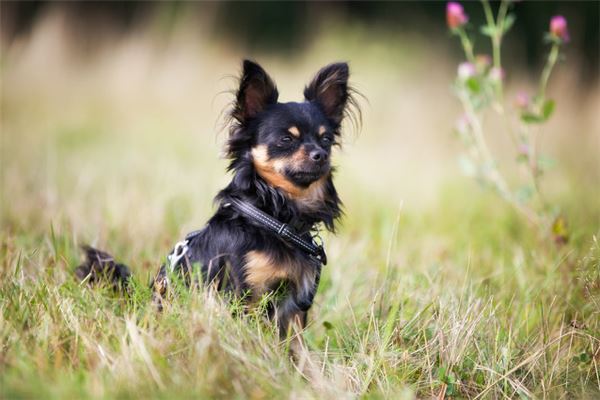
column 261, row 238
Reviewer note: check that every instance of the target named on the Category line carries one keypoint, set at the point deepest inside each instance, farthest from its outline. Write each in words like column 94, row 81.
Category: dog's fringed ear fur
column 329, row 89
column 257, row 90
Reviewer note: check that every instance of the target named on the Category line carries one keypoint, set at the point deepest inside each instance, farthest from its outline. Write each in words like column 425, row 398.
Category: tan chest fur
column 262, row 272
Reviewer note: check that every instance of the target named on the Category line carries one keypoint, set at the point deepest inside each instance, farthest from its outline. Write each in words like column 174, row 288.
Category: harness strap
column 281, row 229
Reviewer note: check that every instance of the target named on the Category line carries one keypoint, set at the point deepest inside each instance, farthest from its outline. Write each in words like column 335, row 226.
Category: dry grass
column 449, row 294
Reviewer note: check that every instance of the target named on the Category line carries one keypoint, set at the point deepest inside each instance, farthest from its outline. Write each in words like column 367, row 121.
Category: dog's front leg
column 291, row 321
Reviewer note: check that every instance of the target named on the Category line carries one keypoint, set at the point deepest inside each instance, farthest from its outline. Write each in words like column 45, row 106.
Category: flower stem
column 499, row 32
column 535, row 173
column 466, row 44
column 489, row 16
column 552, row 58
column 497, row 28
column 541, row 98
column 494, row 176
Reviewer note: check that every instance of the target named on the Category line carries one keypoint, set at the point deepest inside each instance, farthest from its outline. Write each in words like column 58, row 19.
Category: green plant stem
column 489, row 16
column 497, row 42
column 552, row 58
column 533, row 163
column 498, row 32
column 466, row 44
column 535, row 176
column 494, row 175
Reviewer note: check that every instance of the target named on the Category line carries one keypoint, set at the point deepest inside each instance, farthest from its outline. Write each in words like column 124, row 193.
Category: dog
column 262, row 238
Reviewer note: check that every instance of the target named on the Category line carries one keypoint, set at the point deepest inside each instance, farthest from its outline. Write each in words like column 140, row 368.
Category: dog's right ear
column 257, row 91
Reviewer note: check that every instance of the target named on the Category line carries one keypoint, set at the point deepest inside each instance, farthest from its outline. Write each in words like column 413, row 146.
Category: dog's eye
column 326, row 140
column 286, row 139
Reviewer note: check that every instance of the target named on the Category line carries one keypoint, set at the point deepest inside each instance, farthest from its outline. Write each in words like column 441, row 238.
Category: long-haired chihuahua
column 262, row 238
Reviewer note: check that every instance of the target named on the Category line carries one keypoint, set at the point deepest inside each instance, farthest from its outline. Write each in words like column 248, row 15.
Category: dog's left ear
column 329, row 89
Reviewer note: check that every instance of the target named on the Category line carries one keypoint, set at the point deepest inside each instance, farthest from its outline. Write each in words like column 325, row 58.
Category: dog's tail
column 100, row 267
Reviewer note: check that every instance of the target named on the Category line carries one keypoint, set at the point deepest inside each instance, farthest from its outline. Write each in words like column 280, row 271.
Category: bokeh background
column 139, row 89
column 112, row 113
column 111, row 133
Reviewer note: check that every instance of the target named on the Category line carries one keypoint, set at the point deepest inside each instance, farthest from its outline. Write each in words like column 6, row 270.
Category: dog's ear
column 257, row 90
column 329, row 89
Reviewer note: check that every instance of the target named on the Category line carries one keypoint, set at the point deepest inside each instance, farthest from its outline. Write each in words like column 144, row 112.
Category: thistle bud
column 558, row 28
column 455, row 15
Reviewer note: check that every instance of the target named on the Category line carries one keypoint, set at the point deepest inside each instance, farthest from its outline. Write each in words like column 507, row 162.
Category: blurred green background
column 106, row 103
column 289, row 27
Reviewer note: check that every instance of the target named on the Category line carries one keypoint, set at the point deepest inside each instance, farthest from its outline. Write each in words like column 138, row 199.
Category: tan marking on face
column 297, row 159
column 294, row 131
column 272, row 171
column 322, row 130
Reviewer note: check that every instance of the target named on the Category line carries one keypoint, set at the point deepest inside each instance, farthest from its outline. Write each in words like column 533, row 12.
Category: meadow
column 435, row 287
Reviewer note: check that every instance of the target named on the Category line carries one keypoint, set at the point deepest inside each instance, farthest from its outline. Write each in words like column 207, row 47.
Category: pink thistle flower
column 522, row 100
column 466, row 70
column 497, row 74
column 455, row 15
column 558, row 28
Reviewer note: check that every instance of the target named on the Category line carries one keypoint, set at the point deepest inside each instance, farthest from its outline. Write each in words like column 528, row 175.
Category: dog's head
column 289, row 144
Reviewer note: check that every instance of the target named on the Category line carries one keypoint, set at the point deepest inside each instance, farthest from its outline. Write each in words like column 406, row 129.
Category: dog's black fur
column 280, row 158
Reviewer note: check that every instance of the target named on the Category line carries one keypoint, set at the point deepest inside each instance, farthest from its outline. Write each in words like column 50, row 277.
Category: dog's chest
column 264, row 272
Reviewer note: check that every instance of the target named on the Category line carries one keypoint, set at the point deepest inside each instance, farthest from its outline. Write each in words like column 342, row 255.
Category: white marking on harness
column 180, row 250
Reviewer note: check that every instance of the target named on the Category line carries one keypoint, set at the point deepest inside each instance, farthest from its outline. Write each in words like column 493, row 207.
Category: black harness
column 282, row 230
column 262, row 219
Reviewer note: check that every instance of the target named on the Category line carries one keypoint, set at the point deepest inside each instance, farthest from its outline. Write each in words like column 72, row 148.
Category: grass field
column 435, row 287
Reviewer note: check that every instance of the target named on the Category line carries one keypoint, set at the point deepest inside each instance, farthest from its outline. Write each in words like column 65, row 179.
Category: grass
column 435, row 288
column 491, row 318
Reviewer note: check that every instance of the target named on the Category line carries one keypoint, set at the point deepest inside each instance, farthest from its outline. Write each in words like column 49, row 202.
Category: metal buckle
column 315, row 236
column 322, row 255
column 319, row 244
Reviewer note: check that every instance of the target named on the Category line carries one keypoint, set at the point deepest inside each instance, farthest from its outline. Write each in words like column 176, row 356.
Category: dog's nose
column 319, row 156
